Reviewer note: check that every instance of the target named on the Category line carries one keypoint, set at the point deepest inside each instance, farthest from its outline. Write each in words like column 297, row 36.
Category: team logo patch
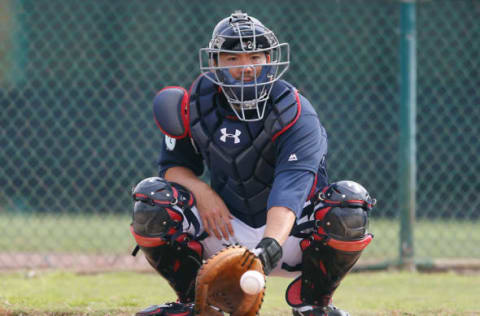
column 225, row 135
column 293, row 157
column 170, row 142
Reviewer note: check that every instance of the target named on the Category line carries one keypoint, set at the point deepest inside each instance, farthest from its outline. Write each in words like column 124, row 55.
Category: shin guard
column 338, row 238
column 161, row 212
column 177, row 260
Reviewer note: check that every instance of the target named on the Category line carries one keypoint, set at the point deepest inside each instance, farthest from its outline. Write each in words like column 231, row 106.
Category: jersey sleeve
column 300, row 161
column 179, row 153
column 291, row 189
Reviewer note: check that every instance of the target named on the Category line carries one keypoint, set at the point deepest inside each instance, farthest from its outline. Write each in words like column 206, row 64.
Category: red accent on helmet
column 154, row 201
column 174, row 215
column 359, row 202
column 147, row 241
column 181, row 238
column 140, row 195
column 357, row 245
column 161, row 202
column 321, row 231
column 317, row 237
column 171, row 231
column 320, row 214
column 196, row 246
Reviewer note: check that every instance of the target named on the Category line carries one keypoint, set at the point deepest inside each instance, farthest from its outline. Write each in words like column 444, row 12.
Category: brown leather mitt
column 218, row 284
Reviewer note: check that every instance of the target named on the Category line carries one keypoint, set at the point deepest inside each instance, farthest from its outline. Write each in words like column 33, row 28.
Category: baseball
column 252, row 282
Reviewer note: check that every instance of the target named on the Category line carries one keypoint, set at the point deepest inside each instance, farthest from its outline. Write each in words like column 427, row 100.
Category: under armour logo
column 235, row 136
column 292, row 157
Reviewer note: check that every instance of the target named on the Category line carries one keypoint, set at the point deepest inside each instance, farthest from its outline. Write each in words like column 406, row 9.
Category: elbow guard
column 171, row 111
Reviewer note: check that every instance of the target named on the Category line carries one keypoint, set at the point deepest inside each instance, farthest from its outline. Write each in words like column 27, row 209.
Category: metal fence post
column 407, row 165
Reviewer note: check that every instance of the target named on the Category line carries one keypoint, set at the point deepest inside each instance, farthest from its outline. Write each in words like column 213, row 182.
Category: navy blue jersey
column 242, row 158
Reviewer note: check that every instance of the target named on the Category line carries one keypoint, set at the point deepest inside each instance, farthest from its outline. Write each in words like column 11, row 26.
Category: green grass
column 123, row 293
column 110, row 235
column 66, row 233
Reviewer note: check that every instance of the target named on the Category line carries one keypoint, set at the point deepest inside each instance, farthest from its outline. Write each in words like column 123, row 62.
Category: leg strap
column 178, row 261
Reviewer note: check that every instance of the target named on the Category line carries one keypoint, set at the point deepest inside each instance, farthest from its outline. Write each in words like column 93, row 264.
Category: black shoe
column 330, row 310
column 168, row 309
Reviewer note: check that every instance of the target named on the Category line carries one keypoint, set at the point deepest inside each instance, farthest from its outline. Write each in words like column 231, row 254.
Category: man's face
column 248, row 60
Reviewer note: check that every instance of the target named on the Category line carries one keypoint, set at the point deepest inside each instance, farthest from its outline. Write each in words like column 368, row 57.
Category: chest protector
column 240, row 155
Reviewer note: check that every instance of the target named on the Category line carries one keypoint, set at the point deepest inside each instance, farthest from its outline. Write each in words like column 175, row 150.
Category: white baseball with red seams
column 252, row 282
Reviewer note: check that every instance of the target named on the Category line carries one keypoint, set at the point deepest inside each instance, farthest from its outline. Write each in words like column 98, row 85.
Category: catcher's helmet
column 240, row 33
column 154, row 214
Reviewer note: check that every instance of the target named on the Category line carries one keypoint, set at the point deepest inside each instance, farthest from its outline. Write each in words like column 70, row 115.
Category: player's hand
column 270, row 252
column 214, row 214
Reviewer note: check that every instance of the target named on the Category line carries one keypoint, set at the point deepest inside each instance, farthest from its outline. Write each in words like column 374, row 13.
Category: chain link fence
column 77, row 79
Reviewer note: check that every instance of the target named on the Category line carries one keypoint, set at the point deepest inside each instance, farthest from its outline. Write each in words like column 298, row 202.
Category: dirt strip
column 77, row 262
column 91, row 263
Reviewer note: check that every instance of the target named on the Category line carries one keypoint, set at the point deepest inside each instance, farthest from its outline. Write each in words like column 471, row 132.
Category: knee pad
column 160, row 210
column 160, row 207
column 339, row 222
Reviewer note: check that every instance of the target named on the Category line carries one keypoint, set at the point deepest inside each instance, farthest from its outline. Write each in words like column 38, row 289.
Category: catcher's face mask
column 245, row 59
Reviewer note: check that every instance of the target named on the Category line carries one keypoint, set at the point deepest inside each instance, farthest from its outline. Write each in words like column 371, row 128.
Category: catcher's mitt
column 218, row 284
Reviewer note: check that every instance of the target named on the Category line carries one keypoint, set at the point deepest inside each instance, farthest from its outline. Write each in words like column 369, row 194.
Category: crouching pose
column 323, row 246
column 266, row 151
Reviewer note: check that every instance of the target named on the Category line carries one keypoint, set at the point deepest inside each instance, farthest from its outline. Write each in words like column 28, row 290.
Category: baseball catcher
column 268, row 208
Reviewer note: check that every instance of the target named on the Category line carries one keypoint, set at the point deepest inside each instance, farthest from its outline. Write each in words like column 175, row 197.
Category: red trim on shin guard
column 176, row 266
column 320, row 214
column 196, row 246
column 292, row 295
column 349, row 246
column 174, row 215
column 322, row 267
column 304, row 244
column 147, row 241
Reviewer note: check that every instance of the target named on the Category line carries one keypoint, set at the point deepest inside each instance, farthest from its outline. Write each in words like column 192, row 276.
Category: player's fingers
column 206, row 226
column 230, row 228
column 213, row 224
column 221, row 225
column 209, row 224
column 224, row 232
column 227, row 217
column 227, row 228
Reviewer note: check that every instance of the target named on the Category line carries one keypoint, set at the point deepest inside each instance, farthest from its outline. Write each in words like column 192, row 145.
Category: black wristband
column 271, row 253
